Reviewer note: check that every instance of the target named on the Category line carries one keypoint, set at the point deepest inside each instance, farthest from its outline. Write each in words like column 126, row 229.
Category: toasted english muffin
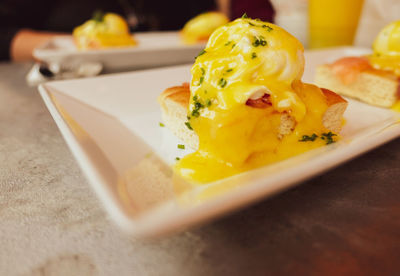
column 370, row 86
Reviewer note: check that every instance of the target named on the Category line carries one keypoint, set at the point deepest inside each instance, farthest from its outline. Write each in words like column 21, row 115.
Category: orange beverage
column 333, row 22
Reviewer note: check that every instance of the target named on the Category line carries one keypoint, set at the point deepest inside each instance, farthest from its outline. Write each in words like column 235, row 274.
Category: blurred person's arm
column 24, row 41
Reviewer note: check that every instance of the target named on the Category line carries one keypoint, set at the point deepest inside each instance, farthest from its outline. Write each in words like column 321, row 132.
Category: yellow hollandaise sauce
column 386, row 48
column 244, row 83
column 386, row 54
column 200, row 28
column 103, row 31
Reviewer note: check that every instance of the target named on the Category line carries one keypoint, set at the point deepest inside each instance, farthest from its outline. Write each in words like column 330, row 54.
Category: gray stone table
column 345, row 222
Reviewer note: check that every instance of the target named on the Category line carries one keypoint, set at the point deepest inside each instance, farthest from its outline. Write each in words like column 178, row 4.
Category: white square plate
column 111, row 125
column 154, row 49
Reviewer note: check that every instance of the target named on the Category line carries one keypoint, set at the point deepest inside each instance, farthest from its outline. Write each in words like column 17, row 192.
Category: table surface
column 345, row 222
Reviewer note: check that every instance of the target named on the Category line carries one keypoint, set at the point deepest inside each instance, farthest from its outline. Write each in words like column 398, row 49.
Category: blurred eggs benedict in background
column 199, row 28
column 103, row 31
column 374, row 78
column 386, row 48
column 246, row 105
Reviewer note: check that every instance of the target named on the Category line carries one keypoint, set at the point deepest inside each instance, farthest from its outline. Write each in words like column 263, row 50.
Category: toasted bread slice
column 174, row 103
column 369, row 86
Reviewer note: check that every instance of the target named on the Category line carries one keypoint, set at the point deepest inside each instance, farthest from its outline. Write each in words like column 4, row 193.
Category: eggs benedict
column 103, row 31
column 199, row 28
column 246, row 104
column 386, row 48
column 374, row 78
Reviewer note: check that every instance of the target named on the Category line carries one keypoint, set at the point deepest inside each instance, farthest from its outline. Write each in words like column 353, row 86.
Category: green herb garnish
column 177, row 158
column 202, row 52
column 229, row 70
column 245, row 15
column 197, row 106
column 328, row 137
column 195, row 113
column 208, row 102
column 251, row 24
column 229, row 42
column 311, row 138
column 259, row 41
column 161, row 124
column 98, row 16
column 180, row 146
column 202, row 75
column 222, row 82
column 268, row 27
column 253, row 55
column 188, row 125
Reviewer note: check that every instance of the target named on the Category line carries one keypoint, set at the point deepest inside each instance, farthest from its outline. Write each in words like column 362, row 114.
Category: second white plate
column 154, row 49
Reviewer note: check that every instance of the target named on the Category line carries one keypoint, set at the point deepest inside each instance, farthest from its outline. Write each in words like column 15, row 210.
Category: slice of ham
column 262, row 102
column 347, row 69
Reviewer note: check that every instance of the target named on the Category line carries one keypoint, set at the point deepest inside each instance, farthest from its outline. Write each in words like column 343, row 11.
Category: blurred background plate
column 155, row 49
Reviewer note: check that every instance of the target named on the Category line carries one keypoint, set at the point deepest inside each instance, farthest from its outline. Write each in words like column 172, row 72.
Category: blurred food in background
column 373, row 78
column 103, row 31
column 386, row 48
column 375, row 16
column 199, row 28
column 27, row 24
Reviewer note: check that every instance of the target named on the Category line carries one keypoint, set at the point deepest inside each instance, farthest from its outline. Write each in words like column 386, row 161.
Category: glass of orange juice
column 333, row 22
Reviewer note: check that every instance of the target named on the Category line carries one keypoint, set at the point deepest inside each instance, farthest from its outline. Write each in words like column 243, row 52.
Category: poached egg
column 243, row 82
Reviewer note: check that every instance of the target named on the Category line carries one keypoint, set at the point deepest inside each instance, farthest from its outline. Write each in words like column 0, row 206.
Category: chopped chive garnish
column 259, row 41
column 188, row 125
column 253, row 55
column 268, row 27
column 245, row 15
column 177, row 158
column 208, row 102
column 198, row 105
column 251, row 24
column 161, row 124
column 98, row 16
column 180, row 146
column 329, row 137
column 195, row 97
column 222, row 82
column 201, row 53
column 311, row 138
column 229, row 70
column 229, row 42
column 195, row 113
